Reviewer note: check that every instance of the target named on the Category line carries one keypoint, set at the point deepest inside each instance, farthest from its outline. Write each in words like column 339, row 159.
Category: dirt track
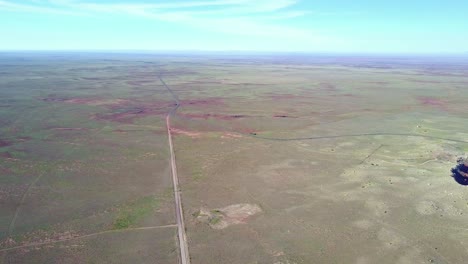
column 183, row 245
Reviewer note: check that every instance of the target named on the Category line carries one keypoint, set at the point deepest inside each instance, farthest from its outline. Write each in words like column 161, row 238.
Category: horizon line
column 234, row 51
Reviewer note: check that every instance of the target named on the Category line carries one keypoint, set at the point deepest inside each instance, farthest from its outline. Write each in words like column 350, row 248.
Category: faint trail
column 372, row 153
column 254, row 135
column 361, row 135
column 86, row 236
column 415, row 241
column 25, row 195
column 183, row 245
column 23, row 198
column 11, row 227
column 15, row 216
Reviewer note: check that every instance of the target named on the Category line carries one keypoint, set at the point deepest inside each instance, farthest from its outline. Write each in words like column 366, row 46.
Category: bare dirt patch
column 185, row 133
column 53, row 99
column 379, row 83
column 423, row 81
column 139, row 82
column 6, row 155
column 69, row 128
column 4, row 143
column 327, row 87
column 10, row 192
column 97, row 102
column 213, row 116
column 230, row 215
column 128, row 111
column 39, row 237
column 129, row 114
column 120, row 110
column 230, row 135
column 284, row 116
column 430, row 101
column 284, row 96
column 86, row 101
column 204, row 102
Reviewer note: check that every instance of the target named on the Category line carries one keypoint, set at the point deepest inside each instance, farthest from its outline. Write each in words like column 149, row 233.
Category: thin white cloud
column 35, row 8
column 258, row 18
column 220, row 7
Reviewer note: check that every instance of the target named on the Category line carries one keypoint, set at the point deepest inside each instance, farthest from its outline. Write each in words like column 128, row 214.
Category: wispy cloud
column 187, row 8
column 235, row 17
column 194, row 8
column 36, row 7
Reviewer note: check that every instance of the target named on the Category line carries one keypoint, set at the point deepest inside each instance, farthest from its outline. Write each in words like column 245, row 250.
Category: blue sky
column 362, row 26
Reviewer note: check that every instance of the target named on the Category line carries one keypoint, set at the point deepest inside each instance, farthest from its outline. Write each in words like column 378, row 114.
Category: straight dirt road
column 183, row 245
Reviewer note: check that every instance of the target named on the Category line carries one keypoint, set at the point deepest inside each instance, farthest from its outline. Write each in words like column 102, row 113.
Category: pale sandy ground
column 360, row 199
column 328, row 202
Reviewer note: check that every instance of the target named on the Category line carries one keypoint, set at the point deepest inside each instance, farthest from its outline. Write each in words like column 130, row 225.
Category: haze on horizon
column 360, row 26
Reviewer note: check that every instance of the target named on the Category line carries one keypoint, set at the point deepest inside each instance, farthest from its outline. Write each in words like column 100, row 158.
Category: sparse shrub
column 134, row 212
column 215, row 220
column 122, row 223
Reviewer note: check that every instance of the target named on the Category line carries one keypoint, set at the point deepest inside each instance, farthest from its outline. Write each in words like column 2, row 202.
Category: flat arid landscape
column 215, row 158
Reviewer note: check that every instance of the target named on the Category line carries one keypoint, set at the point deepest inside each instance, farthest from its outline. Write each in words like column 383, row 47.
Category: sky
column 351, row 26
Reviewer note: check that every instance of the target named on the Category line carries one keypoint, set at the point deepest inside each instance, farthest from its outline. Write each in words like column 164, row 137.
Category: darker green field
column 84, row 151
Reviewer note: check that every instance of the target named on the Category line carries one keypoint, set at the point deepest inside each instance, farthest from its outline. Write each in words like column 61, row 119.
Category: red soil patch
column 97, row 102
column 53, row 99
column 303, row 95
column 86, row 101
column 120, row 131
column 347, row 95
column 126, row 131
column 433, row 102
column 423, row 81
column 203, row 102
column 22, row 139
column 214, row 116
column 128, row 114
column 284, row 116
column 185, row 133
column 246, row 130
column 247, row 83
column 327, row 87
column 379, row 83
column 4, row 143
column 6, row 155
column 230, row 135
column 121, row 110
column 284, row 96
column 139, row 82
column 69, row 128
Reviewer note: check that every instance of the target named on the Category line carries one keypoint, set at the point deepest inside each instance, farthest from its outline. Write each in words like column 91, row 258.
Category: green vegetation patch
column 215, row 220
column 197, row 174
column 131, row 213
column 216, row 217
